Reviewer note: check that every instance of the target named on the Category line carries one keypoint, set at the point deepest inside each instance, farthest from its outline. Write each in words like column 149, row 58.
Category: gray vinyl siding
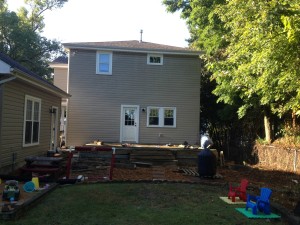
column 13, row 102
column 95, row 105
column 61, row 78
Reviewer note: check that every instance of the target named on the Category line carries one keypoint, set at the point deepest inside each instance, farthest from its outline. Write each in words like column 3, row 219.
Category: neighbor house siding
column 95, row 106
column 13, row 119
column 61, row 78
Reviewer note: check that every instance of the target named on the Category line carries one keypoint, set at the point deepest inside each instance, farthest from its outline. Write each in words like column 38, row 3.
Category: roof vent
column 141, row 39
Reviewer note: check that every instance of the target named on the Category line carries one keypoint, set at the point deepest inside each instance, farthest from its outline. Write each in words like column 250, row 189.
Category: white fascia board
column 58, row 65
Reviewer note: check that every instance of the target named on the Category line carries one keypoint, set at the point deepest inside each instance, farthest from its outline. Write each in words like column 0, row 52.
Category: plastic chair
column 239, row 191
column 261, row 203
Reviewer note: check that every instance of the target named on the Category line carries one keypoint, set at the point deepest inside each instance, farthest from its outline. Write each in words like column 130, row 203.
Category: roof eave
column 160, row 51
column 58, row 65
column 7, row 80
column 25, row 77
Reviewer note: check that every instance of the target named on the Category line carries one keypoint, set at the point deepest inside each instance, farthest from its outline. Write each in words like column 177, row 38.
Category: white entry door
column 129, row 123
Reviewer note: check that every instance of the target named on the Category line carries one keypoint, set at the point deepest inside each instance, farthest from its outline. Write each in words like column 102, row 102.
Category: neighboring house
column 130, row 91
column 29, row 114
column 61, row 79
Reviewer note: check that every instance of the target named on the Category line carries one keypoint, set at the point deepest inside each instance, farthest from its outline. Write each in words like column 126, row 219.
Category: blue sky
column 113, row 20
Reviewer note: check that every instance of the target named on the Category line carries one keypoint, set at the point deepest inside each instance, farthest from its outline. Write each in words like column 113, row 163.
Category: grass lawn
column 136, row 204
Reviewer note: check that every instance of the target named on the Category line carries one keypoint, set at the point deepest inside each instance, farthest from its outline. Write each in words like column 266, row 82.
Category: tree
column 35, row 15
column 206, row 29
column 262, row 59
column 252, row 50
column 21, row 39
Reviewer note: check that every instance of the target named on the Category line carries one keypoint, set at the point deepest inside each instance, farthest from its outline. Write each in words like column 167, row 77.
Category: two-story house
column 130, row 91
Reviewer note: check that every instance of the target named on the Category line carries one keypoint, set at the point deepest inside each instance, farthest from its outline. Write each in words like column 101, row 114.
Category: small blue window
column 104, row 63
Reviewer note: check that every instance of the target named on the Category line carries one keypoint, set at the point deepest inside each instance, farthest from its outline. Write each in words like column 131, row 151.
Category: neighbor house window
column 104, row 63
column 161, row 117
column 155, row 59
column 32, row 116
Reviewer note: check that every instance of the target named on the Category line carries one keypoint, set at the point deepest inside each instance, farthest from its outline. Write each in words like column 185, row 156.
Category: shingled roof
column 133, row 45
column 17, row 68
column 61, row 60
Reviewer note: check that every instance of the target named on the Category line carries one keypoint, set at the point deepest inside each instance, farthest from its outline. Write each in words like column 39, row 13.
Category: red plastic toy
column 239, row 191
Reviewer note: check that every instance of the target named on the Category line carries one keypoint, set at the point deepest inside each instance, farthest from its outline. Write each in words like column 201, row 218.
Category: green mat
column 259, row 215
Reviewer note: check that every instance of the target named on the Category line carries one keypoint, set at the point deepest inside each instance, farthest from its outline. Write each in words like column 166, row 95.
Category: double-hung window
column 32, row 116
column 153, row 116
column 104, row 63
column 161, row 116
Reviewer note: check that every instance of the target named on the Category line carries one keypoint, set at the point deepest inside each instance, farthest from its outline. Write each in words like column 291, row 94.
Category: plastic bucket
column 35, row 180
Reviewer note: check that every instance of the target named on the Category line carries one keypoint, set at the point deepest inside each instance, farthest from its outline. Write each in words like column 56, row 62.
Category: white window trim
column 161, row 116
column 110, row 63
column 33, row 99
column 155, row 55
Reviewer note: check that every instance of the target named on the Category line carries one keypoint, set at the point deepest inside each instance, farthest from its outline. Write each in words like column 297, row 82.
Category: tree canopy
column 261, row 63
column 252, row 50
column 20, row 35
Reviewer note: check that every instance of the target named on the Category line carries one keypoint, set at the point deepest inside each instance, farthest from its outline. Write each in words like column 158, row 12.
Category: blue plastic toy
column 260, row 203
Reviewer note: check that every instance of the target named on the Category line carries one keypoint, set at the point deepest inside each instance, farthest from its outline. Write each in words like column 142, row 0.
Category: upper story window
column 161, row 117
column 32, row 112
column 155, row 59
column 104, row 63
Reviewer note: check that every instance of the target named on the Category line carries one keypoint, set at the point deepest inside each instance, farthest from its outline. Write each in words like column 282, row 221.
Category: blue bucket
column 29, row 186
